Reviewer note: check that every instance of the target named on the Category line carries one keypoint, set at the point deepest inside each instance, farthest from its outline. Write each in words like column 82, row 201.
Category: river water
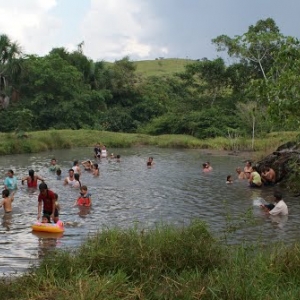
column 127, row 194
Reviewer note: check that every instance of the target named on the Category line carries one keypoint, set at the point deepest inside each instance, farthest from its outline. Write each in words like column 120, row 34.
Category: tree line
column 255, row 92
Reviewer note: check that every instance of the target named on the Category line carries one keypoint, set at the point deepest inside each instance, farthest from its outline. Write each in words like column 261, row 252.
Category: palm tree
column 10, row 68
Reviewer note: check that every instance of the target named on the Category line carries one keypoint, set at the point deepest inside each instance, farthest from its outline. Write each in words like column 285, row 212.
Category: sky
column 140, row 29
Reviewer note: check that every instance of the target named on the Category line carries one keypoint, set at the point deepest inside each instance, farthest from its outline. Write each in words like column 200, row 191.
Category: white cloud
column 30, row 24
column 112, row 29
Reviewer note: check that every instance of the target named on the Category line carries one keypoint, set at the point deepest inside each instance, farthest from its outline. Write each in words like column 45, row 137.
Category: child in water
column 229, row 179
column 58, row 174
column 46, row 219
column 95, row 169
column 7, row 201
column 205, row 168
column 85, row 197
column 150, row 162
column 57, row 206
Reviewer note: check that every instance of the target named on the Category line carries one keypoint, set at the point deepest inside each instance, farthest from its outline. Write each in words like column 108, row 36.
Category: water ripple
column 174, row 191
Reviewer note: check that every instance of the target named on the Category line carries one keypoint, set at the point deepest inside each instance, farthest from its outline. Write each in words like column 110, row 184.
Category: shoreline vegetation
column 162, row 263
column 38, row 141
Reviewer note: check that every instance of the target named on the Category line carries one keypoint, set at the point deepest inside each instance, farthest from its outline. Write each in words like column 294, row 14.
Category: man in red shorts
column 47, row 198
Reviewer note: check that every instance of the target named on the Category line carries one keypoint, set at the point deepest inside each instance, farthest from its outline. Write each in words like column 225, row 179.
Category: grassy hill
column 160, row 67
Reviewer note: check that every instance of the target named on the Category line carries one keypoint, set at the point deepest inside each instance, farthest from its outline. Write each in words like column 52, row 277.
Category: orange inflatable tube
column 48, row 227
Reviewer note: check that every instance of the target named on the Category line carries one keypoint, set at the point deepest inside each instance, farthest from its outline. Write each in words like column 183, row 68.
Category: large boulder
column 282, row 161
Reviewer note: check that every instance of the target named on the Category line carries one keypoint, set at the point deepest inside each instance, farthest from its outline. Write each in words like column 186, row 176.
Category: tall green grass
column 163, row 263
column 63, row 139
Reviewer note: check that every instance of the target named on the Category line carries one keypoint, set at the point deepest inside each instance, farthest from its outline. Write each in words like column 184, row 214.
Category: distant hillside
column 160, row 67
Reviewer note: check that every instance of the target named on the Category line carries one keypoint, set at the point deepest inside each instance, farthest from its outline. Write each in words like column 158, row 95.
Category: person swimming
column 150, row 162
column 229, row 179
column 205, row 168
column 58, row 174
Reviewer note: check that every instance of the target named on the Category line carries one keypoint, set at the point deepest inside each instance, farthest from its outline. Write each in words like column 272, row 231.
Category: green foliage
column 62, row 100
column 10, row 63
column 117, row 119
column 208, row 123
column 257, row 45
column 208, row 77
column 23, row 119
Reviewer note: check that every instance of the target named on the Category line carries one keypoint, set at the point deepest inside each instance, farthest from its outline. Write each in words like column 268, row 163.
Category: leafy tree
column 284, row 86
column 207, row 123
column 57, row 95
column 121, row 81
column 117, row 119
column 272, row 63
column 239, row 75
column 210, row 77
column 93, row 73
column 257, row 45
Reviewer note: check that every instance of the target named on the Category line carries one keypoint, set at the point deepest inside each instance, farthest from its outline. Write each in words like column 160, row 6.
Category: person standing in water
column 87, row 164
column 10, row 182
column 77, row 183
column 279, row 209
column 268, row 176
column 7, row 201
column 150, row 162
column 209, row 167
column 58, row 174
column 53, row 165
column 96, row 170
column 104, row 152
column 229, row 179
column 205, row 168
column 76, row 167
column 241, row 174
column 70, row 180
column 85, row 197
column 47, row 203
column 255, row 179
column 248, row 169
column 32, row 179
column 97, row 151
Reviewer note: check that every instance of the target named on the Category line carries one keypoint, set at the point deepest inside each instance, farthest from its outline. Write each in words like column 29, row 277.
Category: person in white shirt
column 104, row 152
column 76, row 167
column 70, row 180
column 279, row 209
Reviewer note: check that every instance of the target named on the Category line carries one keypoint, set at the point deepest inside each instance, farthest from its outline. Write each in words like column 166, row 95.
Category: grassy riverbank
column 163, row 263
column 38, row 141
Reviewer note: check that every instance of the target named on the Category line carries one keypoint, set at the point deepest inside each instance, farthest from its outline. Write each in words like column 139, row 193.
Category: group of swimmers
column 101, row 152
column 250, row 173
column 266, row 178
column 48, row 206
column 256, row 180
column 48, row 200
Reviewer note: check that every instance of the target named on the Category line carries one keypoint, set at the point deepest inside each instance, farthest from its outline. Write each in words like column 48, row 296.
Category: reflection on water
column 6, row 221
column 173, row 191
